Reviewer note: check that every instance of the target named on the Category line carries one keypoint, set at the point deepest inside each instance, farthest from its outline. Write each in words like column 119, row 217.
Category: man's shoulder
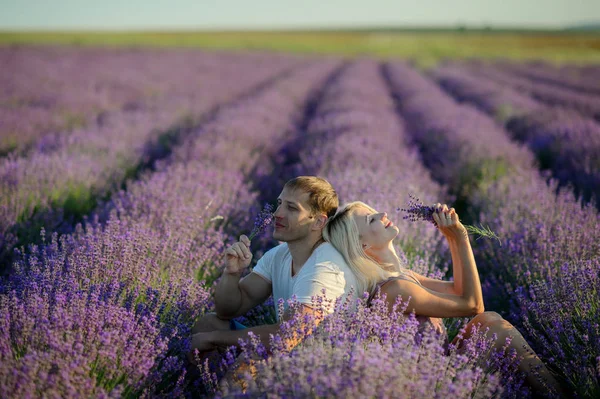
column 278, row 250
column 329, row 260
column 326, row 249
column 272, row 257
column 327, row 254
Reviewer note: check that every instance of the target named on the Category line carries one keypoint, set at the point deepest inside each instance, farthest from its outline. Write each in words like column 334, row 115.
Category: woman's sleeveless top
column 424, row 321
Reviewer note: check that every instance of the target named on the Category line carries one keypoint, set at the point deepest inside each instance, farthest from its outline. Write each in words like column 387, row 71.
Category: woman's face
column 375, row 229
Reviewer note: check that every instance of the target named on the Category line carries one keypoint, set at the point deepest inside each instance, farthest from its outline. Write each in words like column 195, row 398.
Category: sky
column 274, row 14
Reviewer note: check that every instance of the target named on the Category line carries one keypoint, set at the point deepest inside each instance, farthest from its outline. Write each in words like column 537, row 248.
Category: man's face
column 293, row 220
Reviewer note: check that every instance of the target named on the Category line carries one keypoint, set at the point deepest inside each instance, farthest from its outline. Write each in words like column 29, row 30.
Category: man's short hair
column 322, row 196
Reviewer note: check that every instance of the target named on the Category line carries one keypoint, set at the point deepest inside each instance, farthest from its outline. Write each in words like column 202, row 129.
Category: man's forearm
column 228, row 296
column 264, row 332
column 228, row 338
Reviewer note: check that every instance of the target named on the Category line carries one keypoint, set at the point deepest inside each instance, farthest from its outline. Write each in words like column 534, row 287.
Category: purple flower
column 418, row 211
column 262, row 220
column 366, row 351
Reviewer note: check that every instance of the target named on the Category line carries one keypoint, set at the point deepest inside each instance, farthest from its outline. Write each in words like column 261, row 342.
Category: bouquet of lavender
column 262, row 220
column 418, row 211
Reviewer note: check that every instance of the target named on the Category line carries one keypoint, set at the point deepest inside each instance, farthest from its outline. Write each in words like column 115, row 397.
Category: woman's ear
column 365, row 246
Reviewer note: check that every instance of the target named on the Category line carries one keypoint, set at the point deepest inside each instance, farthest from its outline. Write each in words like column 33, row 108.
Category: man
column 303, row 265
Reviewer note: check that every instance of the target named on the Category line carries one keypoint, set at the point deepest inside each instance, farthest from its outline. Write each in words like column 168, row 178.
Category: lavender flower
column 143, row 253
column 64, row 173
column 563, row 140
column 107, row 309
column 339, row 143
column 570, row 340
column 418, row 211
column 262, row 220
column 366, row 351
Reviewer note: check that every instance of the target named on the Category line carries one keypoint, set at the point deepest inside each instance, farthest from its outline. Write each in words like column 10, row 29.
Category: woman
column 364, row 237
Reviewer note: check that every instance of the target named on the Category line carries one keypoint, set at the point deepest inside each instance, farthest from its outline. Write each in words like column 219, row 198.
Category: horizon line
column 304, row 28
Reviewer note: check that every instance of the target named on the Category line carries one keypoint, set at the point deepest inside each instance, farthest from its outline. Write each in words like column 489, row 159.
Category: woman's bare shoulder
column 398, row 285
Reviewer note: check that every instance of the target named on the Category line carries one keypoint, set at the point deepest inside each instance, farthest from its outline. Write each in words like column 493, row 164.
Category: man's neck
column 301, row 250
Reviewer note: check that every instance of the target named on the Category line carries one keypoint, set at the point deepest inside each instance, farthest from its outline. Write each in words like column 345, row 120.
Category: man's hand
column 238, row 256
column 202, row 341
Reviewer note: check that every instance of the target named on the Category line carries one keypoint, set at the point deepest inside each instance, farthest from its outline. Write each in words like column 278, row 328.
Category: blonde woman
column 364, row 238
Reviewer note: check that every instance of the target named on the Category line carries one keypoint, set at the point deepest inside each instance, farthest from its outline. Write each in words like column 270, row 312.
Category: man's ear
column 321, row 221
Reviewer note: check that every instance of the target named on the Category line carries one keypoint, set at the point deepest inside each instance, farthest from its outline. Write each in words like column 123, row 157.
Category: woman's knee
column 488, row 319
column 481, row 322
column 496, row 324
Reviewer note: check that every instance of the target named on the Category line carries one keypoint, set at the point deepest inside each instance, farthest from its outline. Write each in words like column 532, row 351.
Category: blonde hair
column 342, row 232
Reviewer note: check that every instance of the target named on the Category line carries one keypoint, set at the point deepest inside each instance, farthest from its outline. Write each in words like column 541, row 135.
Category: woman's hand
column 448, row 223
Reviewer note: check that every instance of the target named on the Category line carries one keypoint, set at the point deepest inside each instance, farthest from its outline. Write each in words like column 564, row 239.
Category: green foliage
column 482, row 232
column 479, row 174
column 100, row 371
column 77, row 201
column 208, row 272
column 504, row 113
column 72, row 120
column 425, row 46
column 8, row 144
column 18, row 350
column 453, row 326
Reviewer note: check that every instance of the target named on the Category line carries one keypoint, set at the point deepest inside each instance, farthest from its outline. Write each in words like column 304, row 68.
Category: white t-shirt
column 326, row 268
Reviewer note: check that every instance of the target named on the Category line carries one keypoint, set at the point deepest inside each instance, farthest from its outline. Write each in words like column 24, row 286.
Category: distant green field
column 425, row 47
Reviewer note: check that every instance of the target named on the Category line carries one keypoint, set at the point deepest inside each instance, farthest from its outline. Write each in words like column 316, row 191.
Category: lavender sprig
column 262, row 220
column 419, row 211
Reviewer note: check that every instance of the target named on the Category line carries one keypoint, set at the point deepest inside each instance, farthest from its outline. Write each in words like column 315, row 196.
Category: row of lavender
column 566, row 77
column 358, row 142
column 356, row 139
column 551, row 94
column 64, row 176
column 564, row 141
column 134, row 309
column 150, row 242
column 46, row 90
column 56, row 90
column 550, row 244
column 107, row 311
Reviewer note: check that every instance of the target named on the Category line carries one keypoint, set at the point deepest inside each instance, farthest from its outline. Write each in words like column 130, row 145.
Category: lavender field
column 125, row 173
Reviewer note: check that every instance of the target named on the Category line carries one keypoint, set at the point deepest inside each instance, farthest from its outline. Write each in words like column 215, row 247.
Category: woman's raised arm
column 458, row 298
column 426, row 302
